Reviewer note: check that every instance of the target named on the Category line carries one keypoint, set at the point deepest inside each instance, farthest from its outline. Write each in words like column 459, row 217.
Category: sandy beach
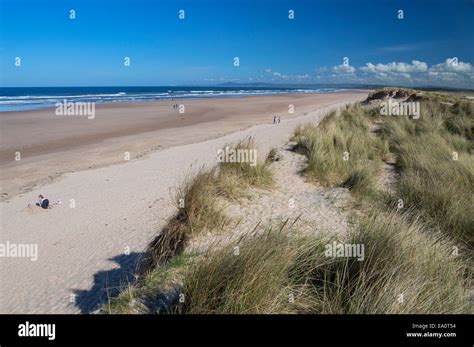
column 51, row 145
column 111, row 208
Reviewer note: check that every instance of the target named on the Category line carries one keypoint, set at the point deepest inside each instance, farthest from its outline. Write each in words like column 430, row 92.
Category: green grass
column 234, row 179
column 432, row 181
column 254, row 281
column 401, row 261
column 342, row 151
column 152, row 293
column 405, row 270
column 199, row 210
column 199, row 197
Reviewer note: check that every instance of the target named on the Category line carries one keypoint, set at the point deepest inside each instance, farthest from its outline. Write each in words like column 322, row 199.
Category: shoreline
column 185, row 98
column 51, row 147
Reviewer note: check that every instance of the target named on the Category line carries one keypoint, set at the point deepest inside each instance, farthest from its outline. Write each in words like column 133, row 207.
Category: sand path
column 118, row 209
column 308, row 208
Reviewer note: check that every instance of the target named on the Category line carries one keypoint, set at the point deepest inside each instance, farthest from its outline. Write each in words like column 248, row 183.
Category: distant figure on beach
column 274, row 119
column 42, row 202
column 279, row 119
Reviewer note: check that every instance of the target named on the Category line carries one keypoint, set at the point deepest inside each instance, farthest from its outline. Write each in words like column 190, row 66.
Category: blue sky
column 420, row 49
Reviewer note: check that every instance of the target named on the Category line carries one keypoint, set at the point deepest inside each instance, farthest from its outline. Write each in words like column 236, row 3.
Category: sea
column 30, row 98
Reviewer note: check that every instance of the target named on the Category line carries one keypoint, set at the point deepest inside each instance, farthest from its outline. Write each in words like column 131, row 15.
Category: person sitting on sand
column 43, row 202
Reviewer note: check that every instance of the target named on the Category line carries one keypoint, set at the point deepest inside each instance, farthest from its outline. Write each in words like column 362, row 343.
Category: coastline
column 117, row 210
column 51, row 146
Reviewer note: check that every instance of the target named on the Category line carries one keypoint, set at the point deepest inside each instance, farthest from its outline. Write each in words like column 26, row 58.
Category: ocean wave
column 21, row 102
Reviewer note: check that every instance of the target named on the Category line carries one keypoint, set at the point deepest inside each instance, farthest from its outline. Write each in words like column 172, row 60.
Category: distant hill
column 294, row 85
column 342, row 86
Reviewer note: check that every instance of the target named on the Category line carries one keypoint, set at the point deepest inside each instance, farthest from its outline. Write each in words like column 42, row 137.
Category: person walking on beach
column 279, row 119
column 274, row 119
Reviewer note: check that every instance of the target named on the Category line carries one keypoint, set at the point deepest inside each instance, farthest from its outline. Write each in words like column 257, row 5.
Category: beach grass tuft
column 404, row 270
column 342, row 151
column 234, row 178
column 197, row 200
column 435, row 158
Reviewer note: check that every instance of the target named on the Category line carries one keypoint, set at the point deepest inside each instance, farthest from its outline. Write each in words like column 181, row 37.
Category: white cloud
column 290, row 77
column 396, row 68
column 344, row 69
column 452, row 65
column 451, row 72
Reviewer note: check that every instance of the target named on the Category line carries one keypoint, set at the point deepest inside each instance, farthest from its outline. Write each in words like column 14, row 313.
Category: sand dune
column 118, row 208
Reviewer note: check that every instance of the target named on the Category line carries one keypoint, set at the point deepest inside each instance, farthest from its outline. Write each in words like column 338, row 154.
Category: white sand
column 117, row 207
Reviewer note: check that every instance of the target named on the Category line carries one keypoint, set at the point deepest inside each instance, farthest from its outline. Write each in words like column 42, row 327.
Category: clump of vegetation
column 197, row 202
column 414, row 95
column 434, row 156
column 361, row 180
column 234, row 178
column 460, row 121
column 253, row 280
column 273, row 156
column 404, row 270
column 157, row 291
column 342, row 151
column 198, row 210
